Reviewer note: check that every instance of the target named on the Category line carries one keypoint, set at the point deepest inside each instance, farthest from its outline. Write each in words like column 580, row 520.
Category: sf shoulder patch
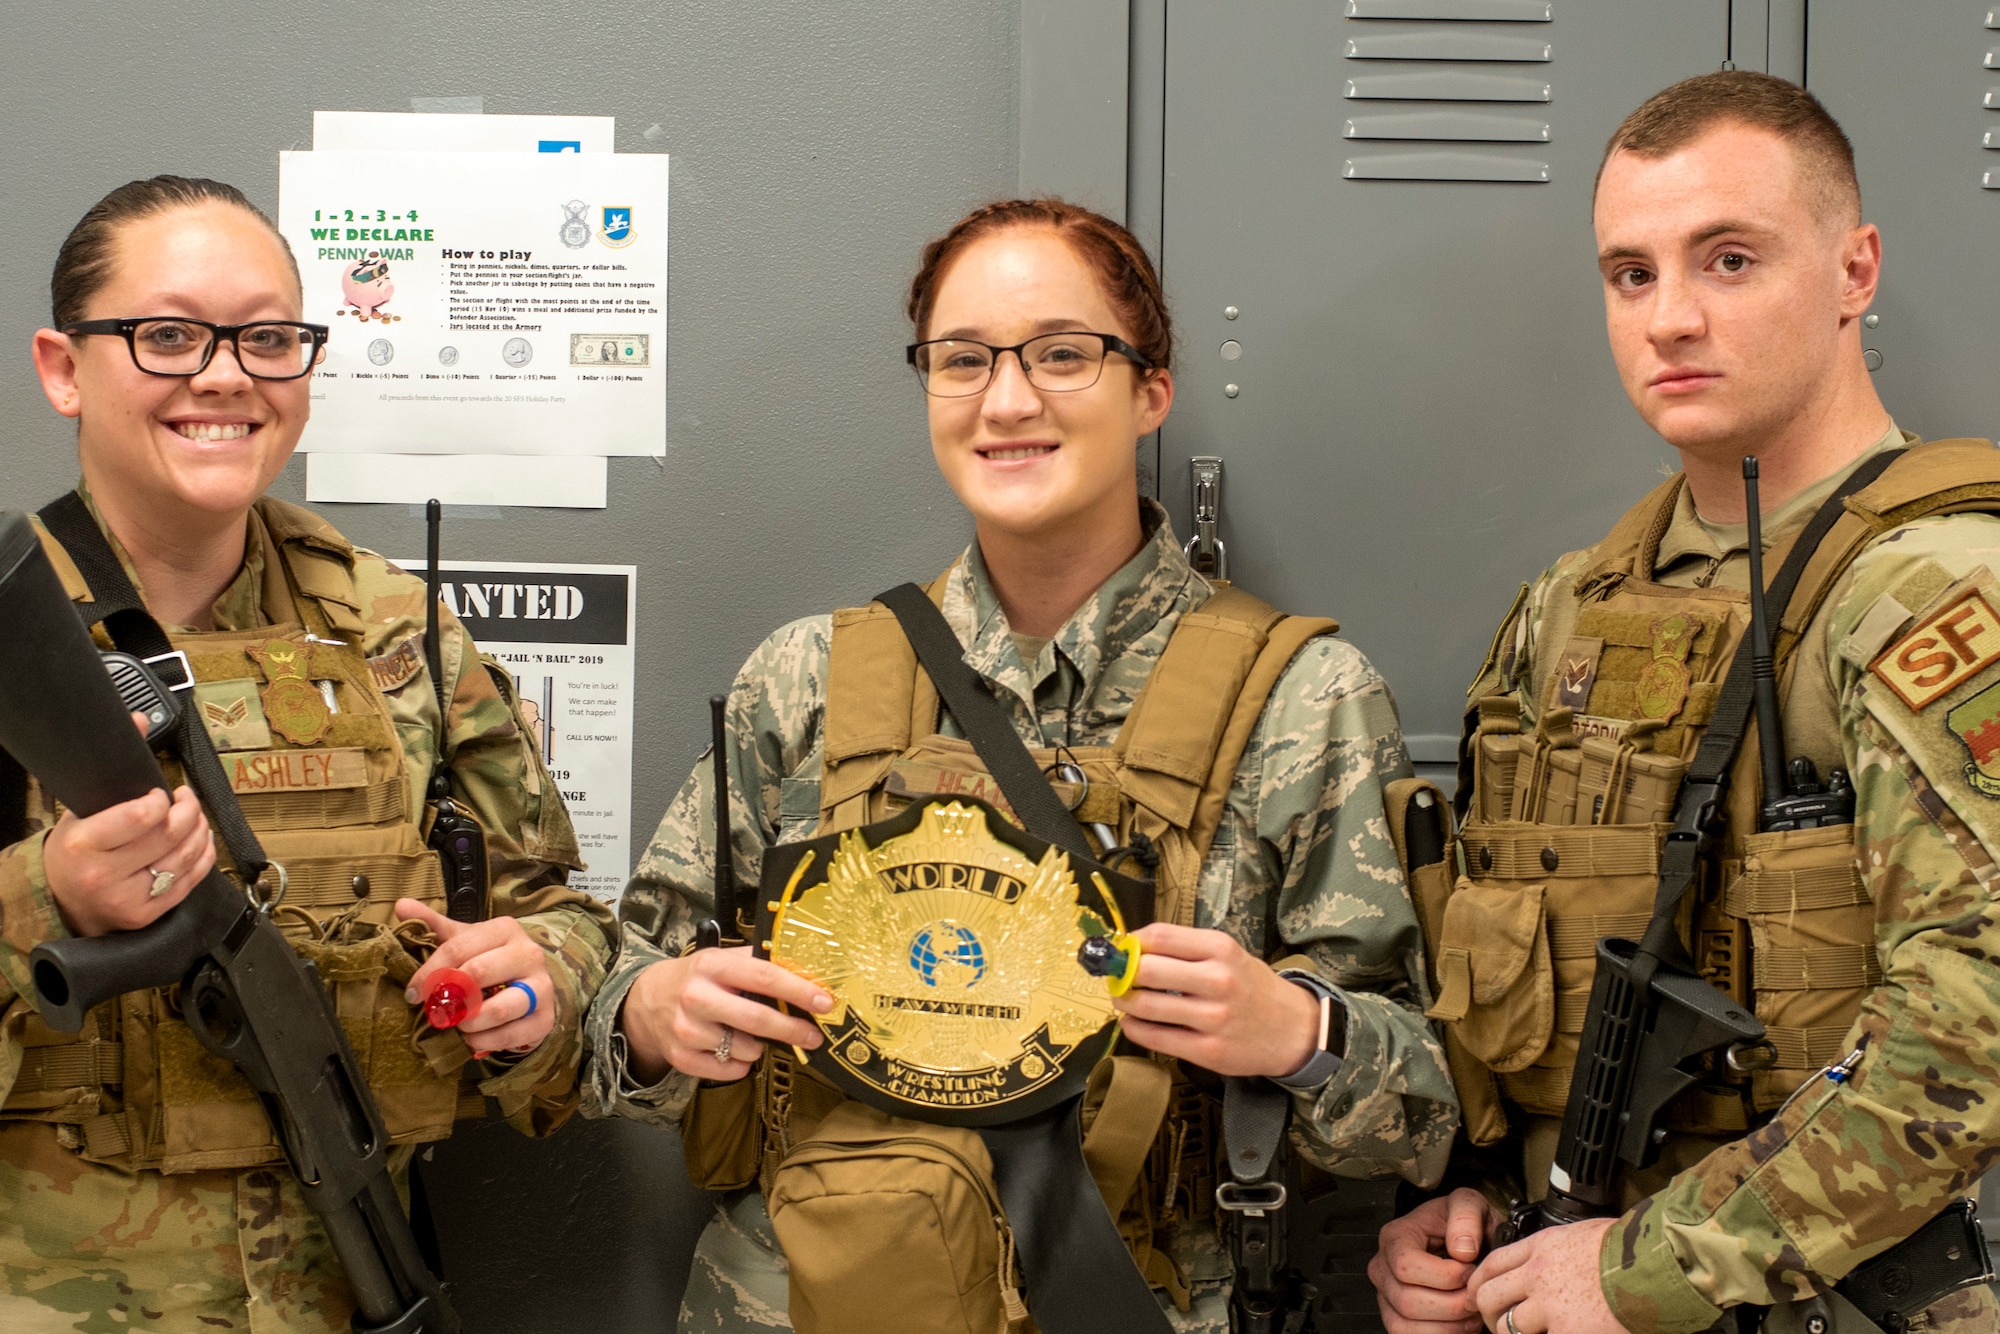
column 1942, row 652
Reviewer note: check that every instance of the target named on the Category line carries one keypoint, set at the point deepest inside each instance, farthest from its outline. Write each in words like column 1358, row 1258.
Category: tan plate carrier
column 856, row 1195
column 1562, row 843
column 134, row 1088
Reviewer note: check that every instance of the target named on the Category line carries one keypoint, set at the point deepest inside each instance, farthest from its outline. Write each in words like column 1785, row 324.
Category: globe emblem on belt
column 947, row 955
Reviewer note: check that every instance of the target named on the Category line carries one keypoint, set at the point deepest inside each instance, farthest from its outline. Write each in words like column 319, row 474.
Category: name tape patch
column 1944, row 651
column 296, row 770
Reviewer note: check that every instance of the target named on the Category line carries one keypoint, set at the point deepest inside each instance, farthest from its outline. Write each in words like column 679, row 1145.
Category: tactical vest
column 1562, row 841
column 134, row 1088
column 1166, row 776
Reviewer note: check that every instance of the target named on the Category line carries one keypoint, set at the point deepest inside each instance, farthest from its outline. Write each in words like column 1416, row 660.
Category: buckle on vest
column 1255, row 1198
column 187, row 670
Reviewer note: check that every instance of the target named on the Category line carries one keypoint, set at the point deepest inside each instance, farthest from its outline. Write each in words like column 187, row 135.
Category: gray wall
column 815, row 148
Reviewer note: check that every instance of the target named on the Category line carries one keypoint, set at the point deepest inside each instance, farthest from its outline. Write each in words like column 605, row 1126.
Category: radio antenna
column 725, row 860
column 1763, row 682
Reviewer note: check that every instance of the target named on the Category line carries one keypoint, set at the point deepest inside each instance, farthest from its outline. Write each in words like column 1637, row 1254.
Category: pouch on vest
column 1812, row 948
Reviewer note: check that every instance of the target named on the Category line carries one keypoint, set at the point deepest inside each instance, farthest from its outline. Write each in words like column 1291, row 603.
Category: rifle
column 246, row 995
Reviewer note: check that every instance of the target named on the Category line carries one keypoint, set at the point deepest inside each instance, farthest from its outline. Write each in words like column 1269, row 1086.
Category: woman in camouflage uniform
column 140, row 1183
column 1045, row 350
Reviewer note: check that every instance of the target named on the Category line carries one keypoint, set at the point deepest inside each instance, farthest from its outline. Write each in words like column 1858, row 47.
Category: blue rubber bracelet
column 533, row 1001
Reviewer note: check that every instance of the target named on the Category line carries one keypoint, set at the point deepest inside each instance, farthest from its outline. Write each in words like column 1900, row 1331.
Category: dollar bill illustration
column 610, row 349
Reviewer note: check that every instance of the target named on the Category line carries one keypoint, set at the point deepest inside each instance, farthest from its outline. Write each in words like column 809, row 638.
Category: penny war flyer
column 564, row 634
column 483, row 303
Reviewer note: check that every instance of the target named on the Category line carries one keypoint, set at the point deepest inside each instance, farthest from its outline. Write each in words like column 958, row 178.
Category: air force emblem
column 616, row 228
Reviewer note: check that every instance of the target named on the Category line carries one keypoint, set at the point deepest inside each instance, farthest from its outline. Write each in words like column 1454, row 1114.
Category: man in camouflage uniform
column 1737, row 271
column 1304, row 846
column 94, row 1246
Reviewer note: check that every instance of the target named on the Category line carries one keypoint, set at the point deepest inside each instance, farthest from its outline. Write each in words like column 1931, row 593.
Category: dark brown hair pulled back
column 1113, row 253
column 83, row 265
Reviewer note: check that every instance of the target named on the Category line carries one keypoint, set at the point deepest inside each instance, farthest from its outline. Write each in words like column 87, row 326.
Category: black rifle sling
column 1700, row 802
column 117, row 604
column 1081, row 1279
column 1036, row 805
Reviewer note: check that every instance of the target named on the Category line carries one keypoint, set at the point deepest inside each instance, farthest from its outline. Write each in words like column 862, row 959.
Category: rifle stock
column 247, row 995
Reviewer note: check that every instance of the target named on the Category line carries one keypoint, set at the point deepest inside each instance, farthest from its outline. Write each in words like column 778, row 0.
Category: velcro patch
column 1946, row 649
column 1576, row 671
column 393, row 670
column 296, row 770
column 233, row 715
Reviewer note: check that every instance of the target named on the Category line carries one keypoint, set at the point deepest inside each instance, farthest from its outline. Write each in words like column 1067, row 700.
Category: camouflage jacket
column 1845, row 1170
column 530, row 843
column 1304, row 823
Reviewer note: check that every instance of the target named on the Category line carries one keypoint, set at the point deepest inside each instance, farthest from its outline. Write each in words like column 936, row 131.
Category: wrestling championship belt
column 949, row 940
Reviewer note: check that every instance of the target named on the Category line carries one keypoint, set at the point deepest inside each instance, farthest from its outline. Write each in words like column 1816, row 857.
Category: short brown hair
column 1675, row 117
column 1130, row 282
column 83, row 265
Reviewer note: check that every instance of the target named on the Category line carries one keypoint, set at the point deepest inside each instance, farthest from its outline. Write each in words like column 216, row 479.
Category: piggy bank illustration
column 367, row 288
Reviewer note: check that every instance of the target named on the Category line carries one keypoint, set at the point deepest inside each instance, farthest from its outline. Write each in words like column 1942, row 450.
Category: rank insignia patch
column 1944, row 651
column 1976, row 723
column 293, row 706
column 232, row 714
column 1576, row 672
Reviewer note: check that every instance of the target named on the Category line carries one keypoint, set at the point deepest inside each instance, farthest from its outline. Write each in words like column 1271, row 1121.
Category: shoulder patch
column 1945, row 649
column 393, row 670
column 1976, row 724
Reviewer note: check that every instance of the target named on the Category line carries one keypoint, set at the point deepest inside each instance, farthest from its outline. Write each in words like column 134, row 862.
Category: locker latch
column 1204, row 550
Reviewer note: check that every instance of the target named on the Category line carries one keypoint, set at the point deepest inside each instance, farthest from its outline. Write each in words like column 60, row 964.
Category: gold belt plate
column 950, row 952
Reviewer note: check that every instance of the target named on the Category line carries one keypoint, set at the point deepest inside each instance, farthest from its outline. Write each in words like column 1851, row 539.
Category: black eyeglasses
column 181, row 347
column 1056, row 363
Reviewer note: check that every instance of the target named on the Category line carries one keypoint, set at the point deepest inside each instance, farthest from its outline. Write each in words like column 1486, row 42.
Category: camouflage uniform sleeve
column 28, row 916
column 1850, row 1168
column 1312, row 828
column 773, row 731
column 498, row 772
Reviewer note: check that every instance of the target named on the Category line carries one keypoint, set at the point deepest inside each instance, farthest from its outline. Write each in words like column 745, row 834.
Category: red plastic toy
column 454, row 998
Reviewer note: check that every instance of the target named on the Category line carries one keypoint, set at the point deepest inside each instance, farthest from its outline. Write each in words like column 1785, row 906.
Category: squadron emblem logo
column 617, row 229
column 952, row 959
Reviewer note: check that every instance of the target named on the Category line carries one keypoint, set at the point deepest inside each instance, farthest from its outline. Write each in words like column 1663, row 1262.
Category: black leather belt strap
column 117, row 604
column 1080, row 1276
column 1040, row 811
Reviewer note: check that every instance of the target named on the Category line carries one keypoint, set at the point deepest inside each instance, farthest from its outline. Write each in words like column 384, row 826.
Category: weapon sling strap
column 116, row 603
column 1080, row 1276
column 1701, row 793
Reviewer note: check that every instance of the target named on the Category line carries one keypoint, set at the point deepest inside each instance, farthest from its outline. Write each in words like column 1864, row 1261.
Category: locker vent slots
column 1447, row 89
column 1989, row 178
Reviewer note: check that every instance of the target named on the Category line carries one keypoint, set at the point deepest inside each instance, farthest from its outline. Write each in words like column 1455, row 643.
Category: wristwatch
column 1326, row 1058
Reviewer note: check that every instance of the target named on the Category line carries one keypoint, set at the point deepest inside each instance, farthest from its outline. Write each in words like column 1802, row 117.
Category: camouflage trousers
column 739, row 1282
column 1973, row 1311
column 89, row 1249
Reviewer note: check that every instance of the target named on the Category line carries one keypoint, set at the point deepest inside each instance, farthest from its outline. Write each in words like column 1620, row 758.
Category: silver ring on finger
column 162, row 882
column 1512, row 1328
column 722, row 1047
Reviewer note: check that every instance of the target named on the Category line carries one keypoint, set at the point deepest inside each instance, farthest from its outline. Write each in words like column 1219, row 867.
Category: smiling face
column 1027, row 462
column 1731, row 300
column 187, row 451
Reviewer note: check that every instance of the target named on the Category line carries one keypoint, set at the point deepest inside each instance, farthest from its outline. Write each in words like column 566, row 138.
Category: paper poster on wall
column 483, row 303
column 476, row 479
column 564, row 632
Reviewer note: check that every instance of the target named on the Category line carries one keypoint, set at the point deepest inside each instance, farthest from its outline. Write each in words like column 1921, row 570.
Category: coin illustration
column 447, row 356
column 517, row 352
column 381, row 352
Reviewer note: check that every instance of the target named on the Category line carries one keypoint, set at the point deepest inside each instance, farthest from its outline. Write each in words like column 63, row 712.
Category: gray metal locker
column 1413, row 400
